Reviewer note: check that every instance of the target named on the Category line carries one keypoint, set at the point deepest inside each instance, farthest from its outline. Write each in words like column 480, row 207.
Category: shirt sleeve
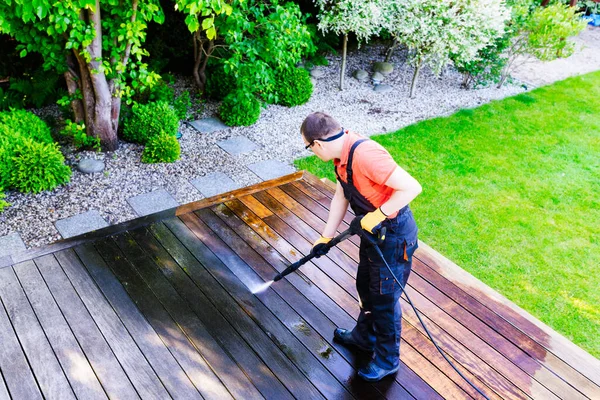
column 375, row 162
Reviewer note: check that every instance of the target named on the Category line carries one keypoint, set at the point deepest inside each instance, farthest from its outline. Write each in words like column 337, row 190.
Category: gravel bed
column 358, row 108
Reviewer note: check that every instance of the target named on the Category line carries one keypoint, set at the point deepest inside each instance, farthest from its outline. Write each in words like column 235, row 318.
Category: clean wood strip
column 162, row 361
column 108, row 370
column 169, row 329
column 210, row 385
column 46, row 368
column 236, row 377
column 13, row 364
column 300, row 377
column 297, row 313
column 140, row 372
column 80, row 374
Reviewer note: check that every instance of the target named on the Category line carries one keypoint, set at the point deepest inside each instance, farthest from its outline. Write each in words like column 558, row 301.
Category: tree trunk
column 73, row 81
column 198, row 55
column 390, row 50
column 343, row 69
column 413, row 85
column 201, row 72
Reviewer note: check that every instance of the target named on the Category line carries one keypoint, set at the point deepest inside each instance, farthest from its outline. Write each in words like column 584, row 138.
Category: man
column 378, row 192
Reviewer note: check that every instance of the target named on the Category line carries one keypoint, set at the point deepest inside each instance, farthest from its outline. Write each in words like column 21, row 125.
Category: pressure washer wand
column 333, row 242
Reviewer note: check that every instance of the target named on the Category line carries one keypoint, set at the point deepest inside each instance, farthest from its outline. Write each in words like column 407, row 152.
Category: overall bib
column 379, row 322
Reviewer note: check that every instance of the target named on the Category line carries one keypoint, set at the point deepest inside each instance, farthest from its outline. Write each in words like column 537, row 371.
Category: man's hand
column 320, row 246
column 371, row 222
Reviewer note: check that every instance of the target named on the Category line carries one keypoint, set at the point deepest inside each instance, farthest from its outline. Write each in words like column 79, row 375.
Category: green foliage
column 487, row 67
column 8, row 141
column 35, row 90
column 3, row 203
column 37, row 167
column 293, row 87
column 77, row 135
column 27, row 124
column 510, row 194
column 240, row 109
column 149, row 120
column 260, row 38
column 218, row 82
column 162, row 148
column 182, row 105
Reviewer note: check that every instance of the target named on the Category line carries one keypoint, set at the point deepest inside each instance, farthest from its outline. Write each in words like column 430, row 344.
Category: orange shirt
column 372, row 166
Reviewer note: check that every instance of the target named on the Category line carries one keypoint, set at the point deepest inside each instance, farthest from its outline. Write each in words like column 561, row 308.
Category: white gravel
column 358, row 108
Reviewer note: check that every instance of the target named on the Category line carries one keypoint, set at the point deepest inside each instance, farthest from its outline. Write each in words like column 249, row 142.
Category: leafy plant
column 182, row 105
column 3, row 203
column 293, row 87
column 8, row 141
column 219, row 83
column 487, row 67
column 27, row 124
column 79, row 138
column 149, row 120
column 37, row 167
column 240, row 109
column 37, row 89
column 10, row 99
column 161, row 148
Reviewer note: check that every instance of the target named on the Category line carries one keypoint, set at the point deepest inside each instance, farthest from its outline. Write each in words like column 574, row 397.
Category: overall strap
column 349, row 172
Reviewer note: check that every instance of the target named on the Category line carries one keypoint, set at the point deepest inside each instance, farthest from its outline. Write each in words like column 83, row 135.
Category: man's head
column 318, row 127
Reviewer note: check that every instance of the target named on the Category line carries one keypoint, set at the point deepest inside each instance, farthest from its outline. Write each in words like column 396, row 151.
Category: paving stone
column 11, row 244
column 237, row 145
column 80, row 224
column 214, row 183
column 208, row 125
column 271, row 169
column 153, row 202
column 382, row 88
column 90, row 166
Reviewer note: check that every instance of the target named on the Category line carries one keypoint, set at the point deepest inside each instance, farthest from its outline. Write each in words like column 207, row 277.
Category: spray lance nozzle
column 333, row 242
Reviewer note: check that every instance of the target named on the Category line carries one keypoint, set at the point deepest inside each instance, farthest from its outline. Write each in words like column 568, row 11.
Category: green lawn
column 511, row 193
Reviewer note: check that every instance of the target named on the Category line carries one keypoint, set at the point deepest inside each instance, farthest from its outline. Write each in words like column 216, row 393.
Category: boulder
column 361, row 75
column 383, row 67
column 382, row 88
column 90, row 166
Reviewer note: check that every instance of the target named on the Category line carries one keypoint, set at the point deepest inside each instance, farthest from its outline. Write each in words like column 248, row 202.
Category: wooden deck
column 161, row 307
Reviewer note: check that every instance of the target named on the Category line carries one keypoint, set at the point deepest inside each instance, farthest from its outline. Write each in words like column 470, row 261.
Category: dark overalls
column 379, row 322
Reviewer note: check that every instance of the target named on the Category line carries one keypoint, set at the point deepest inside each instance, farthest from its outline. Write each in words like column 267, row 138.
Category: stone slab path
column 80, row 224
column 152, row 202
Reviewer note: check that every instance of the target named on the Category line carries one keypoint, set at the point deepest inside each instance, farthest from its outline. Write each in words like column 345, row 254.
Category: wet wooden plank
column 250, row 376
column 154, row 349
column 46, row 368
column 77, row 368
column 13, row 364
column 212, row 356
column 297, row 313
column 111, row 375
column 547, row 374
column 274, row 231
column 136, row 366
column 295, row 374
column 168, row 327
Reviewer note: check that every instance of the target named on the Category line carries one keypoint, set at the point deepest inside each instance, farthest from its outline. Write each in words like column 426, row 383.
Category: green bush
column 293, row 87
column 218, row 83
column 161, row 148
column 3, row 203
column 27, row 124
column 182, row 105
column 37, row 167
column 76, row 134
column 8, row 140
column 240, row 109
column 149, row 120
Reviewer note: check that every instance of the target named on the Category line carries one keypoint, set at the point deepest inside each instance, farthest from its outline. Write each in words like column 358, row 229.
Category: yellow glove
column 371, row 221
column 319, row 248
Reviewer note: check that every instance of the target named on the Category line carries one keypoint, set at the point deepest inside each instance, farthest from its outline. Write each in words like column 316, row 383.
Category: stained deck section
column 162, row 307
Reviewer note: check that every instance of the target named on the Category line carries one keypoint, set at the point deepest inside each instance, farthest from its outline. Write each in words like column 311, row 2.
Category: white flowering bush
column 436, row 31
column 364, row 18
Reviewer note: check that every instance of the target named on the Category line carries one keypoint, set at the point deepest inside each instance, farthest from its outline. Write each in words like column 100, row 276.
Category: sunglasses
column 329, row 139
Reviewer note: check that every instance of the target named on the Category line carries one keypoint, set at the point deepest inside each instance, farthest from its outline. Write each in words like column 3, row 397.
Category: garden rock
column 378, row 77
column 90, row 166
column 361, row 75
column 317, row 73
column 382, row 88
column 383, row 67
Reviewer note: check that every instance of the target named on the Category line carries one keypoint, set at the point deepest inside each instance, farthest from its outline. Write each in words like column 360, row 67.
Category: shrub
column 27, row 124
column 37, row 167
column 240, row 109
column 219, row 83
column 76, row 134
column 161, row 148
column 182, row 105
column 3, row 203
column 8, row 140
column 293, row 87
column 149, row 120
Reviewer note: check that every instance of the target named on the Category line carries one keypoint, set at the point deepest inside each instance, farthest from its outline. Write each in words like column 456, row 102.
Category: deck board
column 162, row 307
